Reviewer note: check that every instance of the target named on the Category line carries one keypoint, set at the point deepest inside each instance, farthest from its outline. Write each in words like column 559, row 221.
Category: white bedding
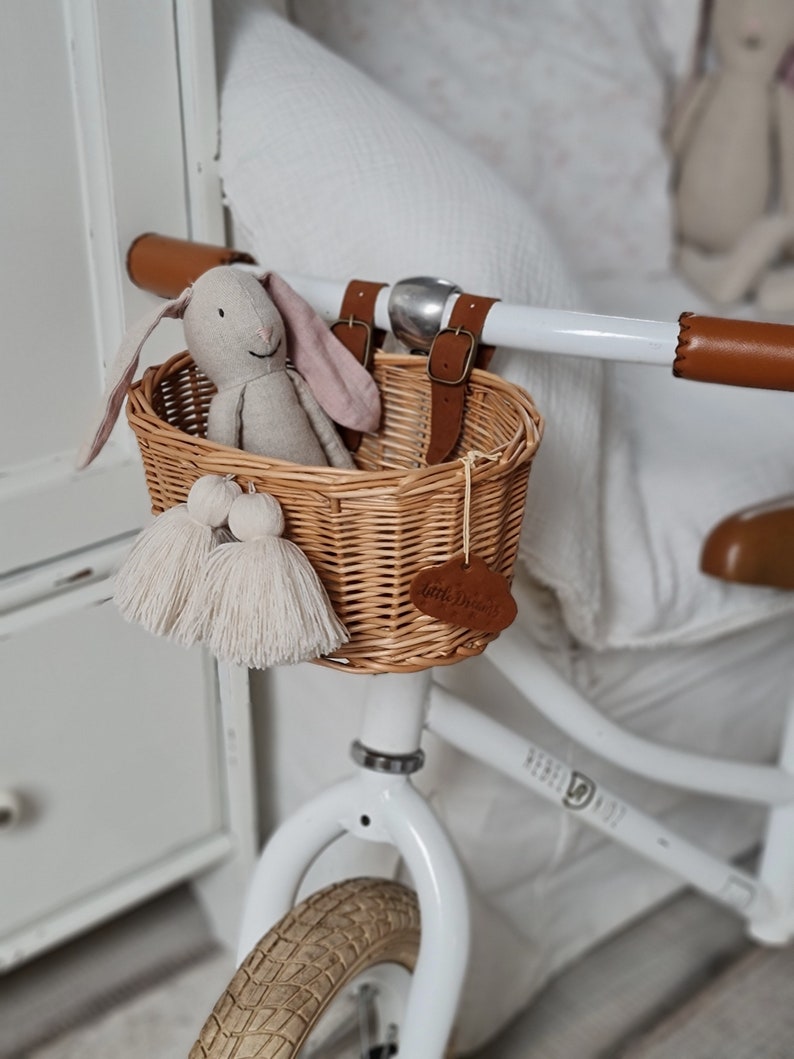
column 544, row 888
column 326, row 173
column 681, row 456
column 378, row 192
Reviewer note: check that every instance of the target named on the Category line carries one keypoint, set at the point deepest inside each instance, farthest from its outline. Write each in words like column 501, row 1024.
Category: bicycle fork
column 380, row 804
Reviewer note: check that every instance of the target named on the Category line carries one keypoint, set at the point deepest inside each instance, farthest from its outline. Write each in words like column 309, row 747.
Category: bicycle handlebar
column 700, row 348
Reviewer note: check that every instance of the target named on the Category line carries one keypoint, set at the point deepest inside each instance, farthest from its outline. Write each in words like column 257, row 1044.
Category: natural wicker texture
column 367, row 531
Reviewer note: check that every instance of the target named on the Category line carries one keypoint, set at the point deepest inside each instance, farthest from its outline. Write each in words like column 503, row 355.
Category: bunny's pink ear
column 346, row 390
column 123, row 372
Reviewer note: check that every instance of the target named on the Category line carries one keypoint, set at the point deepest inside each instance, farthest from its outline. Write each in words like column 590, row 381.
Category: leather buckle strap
column 453, row 355
column 436, row 363
column 355, row 327
column 358, row 339
column 356, row 330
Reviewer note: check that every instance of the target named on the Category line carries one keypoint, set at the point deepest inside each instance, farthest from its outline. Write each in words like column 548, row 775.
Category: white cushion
column 564, row 99
column 329, row 175
column 682, row 456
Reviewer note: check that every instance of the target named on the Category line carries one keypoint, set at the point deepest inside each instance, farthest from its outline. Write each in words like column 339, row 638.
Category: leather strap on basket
column 455, row 351
column 356, row 330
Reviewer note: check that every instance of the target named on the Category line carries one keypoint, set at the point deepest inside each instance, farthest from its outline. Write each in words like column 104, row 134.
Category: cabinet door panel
column 109, row 736
column 50, row 366
column 92, row 156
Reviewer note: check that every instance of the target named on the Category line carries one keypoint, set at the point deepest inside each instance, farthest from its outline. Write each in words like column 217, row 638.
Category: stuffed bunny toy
column 732, row 141
column 240, row 330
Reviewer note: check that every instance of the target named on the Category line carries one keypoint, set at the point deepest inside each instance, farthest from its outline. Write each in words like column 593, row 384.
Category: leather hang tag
column 466, row 594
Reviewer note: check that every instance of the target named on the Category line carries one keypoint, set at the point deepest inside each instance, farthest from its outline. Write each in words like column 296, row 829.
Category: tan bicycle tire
column 291, row 976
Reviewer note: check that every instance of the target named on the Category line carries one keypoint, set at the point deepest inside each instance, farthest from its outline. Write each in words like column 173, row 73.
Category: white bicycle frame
column 380, row 804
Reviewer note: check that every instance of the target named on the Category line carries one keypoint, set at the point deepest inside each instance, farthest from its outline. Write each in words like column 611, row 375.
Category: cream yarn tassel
column 157, row 581
column 263, row 602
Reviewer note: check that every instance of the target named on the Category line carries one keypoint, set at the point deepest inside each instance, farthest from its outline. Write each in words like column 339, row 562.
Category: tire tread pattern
column 290, row 977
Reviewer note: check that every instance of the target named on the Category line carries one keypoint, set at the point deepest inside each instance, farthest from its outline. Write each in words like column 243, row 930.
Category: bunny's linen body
column 276, row 416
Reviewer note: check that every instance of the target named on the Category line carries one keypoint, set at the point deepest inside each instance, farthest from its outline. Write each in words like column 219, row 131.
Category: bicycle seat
column 754, row 546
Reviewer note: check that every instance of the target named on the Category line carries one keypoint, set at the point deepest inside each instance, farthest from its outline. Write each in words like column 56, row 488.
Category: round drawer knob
column 10, row 809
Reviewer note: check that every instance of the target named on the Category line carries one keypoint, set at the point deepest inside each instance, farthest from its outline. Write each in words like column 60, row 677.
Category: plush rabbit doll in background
column 732, row 140
column 240, row 330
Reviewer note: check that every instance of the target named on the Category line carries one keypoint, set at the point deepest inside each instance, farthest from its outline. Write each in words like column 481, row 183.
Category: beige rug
column 159, row 1023
column 77, row 983
column 626, row 986
column 745, row 1013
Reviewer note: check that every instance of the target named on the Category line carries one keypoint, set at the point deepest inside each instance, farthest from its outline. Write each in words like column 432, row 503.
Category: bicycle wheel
column 289, row 997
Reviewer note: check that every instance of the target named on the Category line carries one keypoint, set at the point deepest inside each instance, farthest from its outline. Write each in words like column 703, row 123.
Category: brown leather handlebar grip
column 165, row 266
column 735, row 352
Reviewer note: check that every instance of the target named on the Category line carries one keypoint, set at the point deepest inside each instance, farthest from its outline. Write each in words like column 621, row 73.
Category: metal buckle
column 351, row 321
column 468, row 363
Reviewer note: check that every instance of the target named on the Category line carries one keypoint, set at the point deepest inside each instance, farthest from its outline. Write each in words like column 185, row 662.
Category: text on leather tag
column 469, row 595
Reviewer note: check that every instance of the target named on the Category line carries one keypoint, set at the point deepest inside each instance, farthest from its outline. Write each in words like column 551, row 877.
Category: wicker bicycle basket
column 368, row 531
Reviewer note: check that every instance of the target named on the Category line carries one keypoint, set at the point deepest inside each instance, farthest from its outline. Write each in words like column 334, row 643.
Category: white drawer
column 110, row 739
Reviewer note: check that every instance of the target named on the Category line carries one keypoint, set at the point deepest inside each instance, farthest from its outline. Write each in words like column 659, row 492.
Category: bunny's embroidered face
column 234, row 331
column 753, row 35
column 238, row 327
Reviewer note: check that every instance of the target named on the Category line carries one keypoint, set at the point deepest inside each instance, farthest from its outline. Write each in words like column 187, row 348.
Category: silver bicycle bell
column 416, row 309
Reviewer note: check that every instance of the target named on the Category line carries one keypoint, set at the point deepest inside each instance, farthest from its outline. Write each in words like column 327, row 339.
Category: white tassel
column 157, row 581
column 264, row 604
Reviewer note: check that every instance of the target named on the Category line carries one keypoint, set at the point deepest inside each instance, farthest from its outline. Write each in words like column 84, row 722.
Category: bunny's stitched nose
column 753, row 32
column 266, row 334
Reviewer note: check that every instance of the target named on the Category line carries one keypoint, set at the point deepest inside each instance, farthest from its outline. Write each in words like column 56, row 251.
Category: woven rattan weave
column 366, row 531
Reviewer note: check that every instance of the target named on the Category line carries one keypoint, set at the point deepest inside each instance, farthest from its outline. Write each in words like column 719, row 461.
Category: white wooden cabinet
column 115, row 761
column 110, row 751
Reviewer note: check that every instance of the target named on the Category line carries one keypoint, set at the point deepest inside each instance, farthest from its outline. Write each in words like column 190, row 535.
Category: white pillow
column 566, row 99
column 327, row 174
column 675, row 26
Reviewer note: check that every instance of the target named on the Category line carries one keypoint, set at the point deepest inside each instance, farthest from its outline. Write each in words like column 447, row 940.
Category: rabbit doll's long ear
column 346, row 390
column 123, row 372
